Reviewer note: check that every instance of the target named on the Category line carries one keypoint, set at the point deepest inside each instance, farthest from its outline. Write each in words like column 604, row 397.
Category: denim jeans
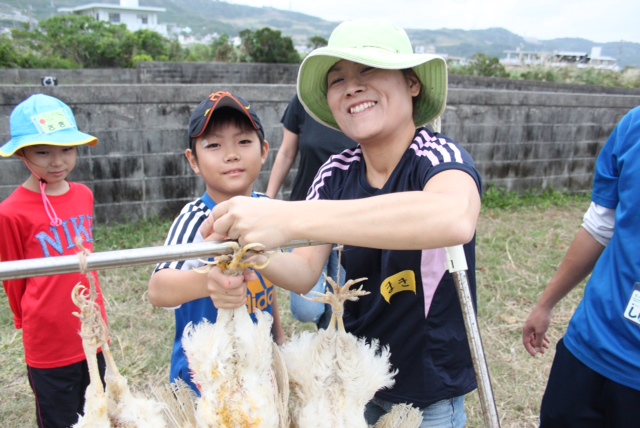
column 307, row 311
column 448, row 413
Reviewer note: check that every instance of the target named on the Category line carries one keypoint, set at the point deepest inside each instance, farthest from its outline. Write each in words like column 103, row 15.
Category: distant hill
column 209, row 16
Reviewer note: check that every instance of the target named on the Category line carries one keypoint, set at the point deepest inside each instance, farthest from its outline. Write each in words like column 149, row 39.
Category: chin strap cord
column 51, row 213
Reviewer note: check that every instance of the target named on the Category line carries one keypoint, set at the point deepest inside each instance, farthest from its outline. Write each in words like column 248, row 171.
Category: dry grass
column 517, row 252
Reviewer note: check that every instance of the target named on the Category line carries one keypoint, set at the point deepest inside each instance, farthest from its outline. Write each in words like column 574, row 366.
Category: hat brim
column 69, row 137
column 430, row 69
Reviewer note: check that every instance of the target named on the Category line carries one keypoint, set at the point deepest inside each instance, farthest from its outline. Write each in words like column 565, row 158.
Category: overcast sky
column 595, row 20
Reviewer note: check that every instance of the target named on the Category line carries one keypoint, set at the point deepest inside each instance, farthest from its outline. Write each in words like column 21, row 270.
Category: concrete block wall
column 255, row 73
column 160, row 73
column 534, row 140
column 520, row 139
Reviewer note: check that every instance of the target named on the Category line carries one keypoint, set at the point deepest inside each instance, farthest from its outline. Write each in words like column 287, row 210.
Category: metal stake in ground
column 457, row 265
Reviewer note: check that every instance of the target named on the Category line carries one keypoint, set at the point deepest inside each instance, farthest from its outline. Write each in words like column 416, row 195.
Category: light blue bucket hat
column 379, row 44
column 42, row 119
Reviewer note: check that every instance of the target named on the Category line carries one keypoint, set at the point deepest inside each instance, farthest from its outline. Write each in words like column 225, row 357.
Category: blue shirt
column 604, row 333
column 185, row 229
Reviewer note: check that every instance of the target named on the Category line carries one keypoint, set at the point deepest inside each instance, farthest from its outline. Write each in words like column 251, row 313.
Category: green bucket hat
column 379, row 44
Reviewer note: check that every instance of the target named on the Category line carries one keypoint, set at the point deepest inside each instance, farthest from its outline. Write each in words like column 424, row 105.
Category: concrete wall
column 244, row 73
column 520, row 139
column 160, row 73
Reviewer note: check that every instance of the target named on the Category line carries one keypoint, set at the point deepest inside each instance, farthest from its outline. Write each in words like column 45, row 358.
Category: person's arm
column 284, row 160
column 11, row 250
column 578, row 262
column 444, row 214
column 15, row 290
column 600, row 221
column 169, row 288
column 296, row 271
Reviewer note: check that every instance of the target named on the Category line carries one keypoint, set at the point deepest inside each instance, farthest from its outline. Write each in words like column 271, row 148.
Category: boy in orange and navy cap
column 42, row 218
column 227, row 148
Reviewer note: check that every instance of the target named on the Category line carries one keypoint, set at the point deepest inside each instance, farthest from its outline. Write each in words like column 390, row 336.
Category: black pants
column 59, row 393
column 578, row 397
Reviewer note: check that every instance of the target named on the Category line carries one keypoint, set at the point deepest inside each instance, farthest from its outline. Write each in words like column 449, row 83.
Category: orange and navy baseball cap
column 202, row 114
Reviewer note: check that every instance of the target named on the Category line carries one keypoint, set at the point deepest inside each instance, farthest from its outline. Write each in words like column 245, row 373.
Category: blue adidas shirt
column 185, row 229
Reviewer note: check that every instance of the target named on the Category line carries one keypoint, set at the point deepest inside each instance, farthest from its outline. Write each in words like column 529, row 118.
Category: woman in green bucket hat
column 395, row 202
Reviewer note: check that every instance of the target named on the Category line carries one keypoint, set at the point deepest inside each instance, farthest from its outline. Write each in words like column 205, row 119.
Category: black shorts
column 59, row 392
column 578, row 397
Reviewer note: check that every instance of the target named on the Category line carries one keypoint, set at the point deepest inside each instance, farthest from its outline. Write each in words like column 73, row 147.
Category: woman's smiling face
column 368, row 102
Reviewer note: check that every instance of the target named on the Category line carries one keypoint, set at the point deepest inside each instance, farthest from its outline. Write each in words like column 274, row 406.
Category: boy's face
column 51, row 163
column 229, row 159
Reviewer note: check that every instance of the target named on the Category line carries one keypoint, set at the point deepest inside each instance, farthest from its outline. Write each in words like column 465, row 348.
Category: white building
column 135, row 17
column 600, row 61
column 520, row 58
column 559, row 59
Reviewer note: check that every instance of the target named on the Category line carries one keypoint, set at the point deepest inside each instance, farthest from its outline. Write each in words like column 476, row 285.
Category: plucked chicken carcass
column 334, row 374
column 235, row 363
column 94, row 334
column 117, row 408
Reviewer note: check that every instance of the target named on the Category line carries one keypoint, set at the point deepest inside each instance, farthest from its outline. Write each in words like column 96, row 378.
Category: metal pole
column 120, row 258
column 457, row 265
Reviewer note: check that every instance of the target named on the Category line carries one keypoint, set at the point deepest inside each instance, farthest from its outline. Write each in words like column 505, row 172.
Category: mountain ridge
column 216, row 16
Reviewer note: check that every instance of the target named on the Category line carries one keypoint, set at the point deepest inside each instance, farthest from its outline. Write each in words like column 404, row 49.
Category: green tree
column 268, row 46
column 29, row 46
column 80, row 41
column 9, row 56
column 198, row 52
column 316, row 42
column 483, row 65
column 223, row 49
column 176, row 52
column 150, row 43
column 94, row 44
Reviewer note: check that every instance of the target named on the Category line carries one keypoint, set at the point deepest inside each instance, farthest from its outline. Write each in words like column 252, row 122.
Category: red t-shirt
column 42, row 306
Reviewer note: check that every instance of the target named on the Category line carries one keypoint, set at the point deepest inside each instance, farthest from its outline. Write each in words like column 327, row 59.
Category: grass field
column 520, row 242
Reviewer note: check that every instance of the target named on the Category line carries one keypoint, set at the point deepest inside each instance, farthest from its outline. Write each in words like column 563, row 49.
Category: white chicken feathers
column 117, row 408
column 232, row 362
column 334, row 374
column 401, row 416
column 125, row 409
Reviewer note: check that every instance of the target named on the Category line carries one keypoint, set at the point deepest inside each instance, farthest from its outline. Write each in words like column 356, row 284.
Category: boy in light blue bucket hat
column 395, row 202
column 42, row 218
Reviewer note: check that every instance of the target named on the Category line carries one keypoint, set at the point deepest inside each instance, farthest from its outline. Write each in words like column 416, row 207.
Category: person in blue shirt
column 595, row 377
column 227, row 148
